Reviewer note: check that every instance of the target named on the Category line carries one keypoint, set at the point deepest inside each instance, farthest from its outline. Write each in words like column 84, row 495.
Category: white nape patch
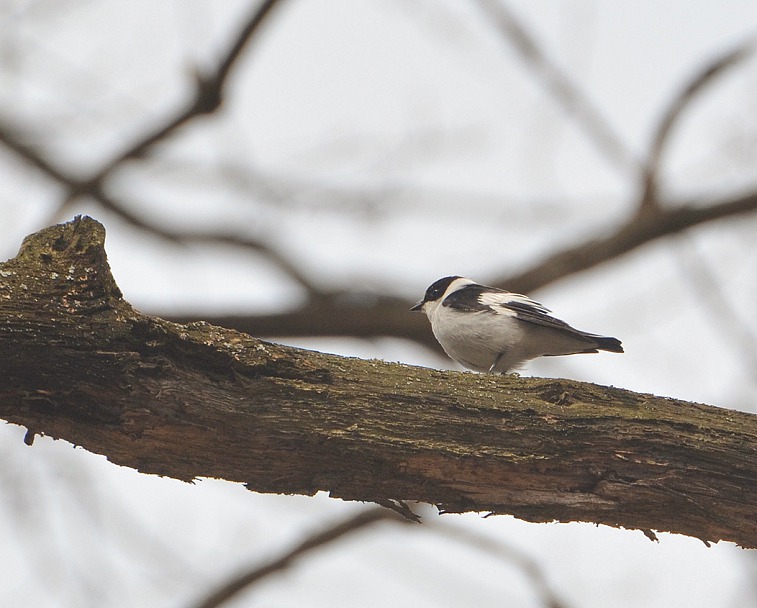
column 497, row 299
column 455, row 285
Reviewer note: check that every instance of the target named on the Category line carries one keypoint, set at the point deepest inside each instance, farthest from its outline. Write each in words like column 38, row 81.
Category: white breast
column 477, row 340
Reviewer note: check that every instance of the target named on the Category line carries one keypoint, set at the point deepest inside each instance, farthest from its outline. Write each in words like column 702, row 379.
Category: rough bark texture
column 77, row 362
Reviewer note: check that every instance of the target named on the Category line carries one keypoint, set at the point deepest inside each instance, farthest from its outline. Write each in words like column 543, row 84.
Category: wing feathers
column 481, row 299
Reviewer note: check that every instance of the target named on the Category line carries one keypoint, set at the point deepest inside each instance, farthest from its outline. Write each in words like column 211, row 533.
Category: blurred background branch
column 696, row 86
column 347, row 312
column 243, row 582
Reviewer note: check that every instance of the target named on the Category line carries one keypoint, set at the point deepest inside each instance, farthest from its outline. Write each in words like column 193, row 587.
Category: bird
column 487, row 329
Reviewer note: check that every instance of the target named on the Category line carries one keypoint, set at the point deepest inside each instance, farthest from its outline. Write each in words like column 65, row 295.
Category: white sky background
column 463, row 165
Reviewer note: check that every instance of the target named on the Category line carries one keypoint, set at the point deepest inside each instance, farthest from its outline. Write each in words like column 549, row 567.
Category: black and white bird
column 492, row 330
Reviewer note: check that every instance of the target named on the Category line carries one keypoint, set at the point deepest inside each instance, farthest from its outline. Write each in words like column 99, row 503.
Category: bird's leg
column 496, row 361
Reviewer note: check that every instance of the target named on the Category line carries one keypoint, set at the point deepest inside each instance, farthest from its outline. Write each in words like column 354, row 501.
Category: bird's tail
column 612, row 345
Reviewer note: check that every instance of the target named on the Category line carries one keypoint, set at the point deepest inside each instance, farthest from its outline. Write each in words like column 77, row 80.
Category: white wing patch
column 500, row 300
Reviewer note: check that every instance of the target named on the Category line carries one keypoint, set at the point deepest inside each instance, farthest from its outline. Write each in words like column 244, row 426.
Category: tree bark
column 77, row 362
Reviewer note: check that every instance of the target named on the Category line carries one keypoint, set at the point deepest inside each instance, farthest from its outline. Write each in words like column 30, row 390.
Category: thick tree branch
column 78, row 362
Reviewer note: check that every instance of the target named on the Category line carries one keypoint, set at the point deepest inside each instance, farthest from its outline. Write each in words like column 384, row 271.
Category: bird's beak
column 418, row 306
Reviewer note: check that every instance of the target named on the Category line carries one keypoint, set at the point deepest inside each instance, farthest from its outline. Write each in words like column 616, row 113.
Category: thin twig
column 14, row 138
column 93, row 188
column 245, row 580
column 207, row 98
column 208, row 94
column 697, row 85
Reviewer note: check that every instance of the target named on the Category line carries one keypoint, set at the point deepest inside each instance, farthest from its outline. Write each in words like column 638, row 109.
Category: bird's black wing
column 479, row 298
column 468, row 299
column 526, row 312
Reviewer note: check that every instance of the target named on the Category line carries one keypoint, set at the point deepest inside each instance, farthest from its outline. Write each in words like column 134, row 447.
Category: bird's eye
column 437, row 289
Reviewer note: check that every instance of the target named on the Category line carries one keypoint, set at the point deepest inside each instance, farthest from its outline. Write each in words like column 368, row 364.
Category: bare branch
column 207, row 98
column 336, row 314
column 94, row 189
column 208, row 94
column 671, row 219
column 696, row 86
column 244, row 581
column 14, row 138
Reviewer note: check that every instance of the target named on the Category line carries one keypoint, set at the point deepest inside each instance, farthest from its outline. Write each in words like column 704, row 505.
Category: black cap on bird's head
column 435, row 291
